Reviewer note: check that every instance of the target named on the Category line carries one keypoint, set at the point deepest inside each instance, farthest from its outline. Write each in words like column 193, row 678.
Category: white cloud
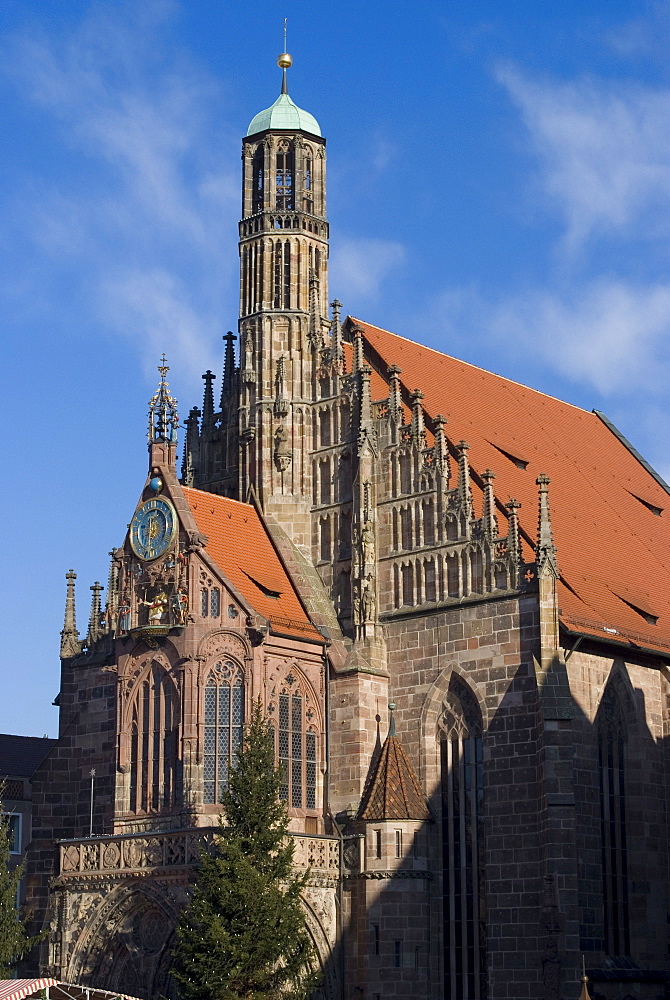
column 138, row 191
column 604, row 153
column 359, row 267
column 607, row 334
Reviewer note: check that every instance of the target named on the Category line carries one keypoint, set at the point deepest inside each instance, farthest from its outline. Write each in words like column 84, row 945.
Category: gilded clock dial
column 153, row 528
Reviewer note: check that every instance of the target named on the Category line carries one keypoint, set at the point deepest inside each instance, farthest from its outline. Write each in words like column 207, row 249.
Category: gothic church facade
column 450, row 593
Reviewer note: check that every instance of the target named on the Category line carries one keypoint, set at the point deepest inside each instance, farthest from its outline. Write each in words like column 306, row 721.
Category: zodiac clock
column 152, row 529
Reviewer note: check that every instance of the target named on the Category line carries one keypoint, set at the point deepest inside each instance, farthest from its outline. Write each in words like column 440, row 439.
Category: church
column 450, row 594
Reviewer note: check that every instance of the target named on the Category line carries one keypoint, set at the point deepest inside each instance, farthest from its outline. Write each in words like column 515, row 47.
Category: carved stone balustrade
column 146, row 852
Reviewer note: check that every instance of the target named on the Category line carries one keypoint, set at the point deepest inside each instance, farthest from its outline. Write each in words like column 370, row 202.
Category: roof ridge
column 217, row 496
column 479, row 368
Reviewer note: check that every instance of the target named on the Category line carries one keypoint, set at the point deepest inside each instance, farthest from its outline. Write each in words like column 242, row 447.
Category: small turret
column 70, row 644
column 94, row 629
column 163, row 423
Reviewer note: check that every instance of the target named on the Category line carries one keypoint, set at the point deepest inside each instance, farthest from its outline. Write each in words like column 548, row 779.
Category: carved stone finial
column 336, row 337
column 189, row 462
column 314, row 329
column 545, row 551
column 489, row 518
column 441, row 449
column 418, row 427
column 70, row 644
column 395, row 398
column 392, row 707
column 94, row 630
column 513, row 544
column 464, row 491
column 358, row 348
column 208, row 399
column 228, row 383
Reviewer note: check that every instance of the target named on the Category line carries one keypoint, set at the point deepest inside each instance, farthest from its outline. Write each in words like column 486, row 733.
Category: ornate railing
column 177, row 849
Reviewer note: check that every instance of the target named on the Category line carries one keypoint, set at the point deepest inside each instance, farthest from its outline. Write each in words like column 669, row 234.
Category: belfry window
column 258, row 180
column 309, row 198
column 613, row 845
column 284, row 175
column 297, row 748
column 462, row 844
column 224, row 718
column 154, row 744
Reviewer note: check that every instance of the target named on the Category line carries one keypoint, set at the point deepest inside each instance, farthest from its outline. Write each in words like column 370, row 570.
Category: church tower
column 283, row 299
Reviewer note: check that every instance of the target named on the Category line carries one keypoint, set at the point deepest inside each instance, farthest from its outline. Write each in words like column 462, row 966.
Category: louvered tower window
column 258, row 180
column 612, row 775
column 462, row 845
column 224, row 718
column 154, row 764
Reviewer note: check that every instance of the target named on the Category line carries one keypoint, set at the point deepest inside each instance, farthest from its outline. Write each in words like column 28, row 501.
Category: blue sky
column 499, row 188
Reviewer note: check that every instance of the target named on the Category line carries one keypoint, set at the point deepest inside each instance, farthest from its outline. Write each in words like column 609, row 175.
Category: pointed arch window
column 258, row 179
column 613, row 842
column 462, row 844
column 223, row 718
column 154, row 744
column 297, row 745
column 284, row 179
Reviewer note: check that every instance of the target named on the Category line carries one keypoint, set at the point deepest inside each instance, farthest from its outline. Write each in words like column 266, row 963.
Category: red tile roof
column 240, row 546
column 613, row 550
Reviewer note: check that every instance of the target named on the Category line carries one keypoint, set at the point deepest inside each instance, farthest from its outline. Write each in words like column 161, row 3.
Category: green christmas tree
column 14, row 940
column 243, row 933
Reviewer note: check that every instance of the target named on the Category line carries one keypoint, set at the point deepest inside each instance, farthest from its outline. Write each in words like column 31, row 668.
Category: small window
column 398, row 843
column 378, row 843
column 417, row 957
column 204, row 602
column 415, row 844
column 215, row 602
column 375, row 939
column 397, row 954
column 14, row 833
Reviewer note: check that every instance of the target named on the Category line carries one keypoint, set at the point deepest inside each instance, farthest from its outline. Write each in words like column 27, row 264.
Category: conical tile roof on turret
column 393, row 790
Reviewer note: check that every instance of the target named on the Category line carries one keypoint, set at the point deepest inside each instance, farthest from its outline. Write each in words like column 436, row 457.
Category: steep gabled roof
column 393, row 790
column 241, row 547
column 20, row 756
column 610, row 514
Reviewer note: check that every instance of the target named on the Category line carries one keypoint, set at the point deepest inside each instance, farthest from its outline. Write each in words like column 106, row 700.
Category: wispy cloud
column 359, row 267
column 603, row 151
column 135, row 124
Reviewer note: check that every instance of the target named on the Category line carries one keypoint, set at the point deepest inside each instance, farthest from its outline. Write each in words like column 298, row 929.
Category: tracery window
column 297, row 746
column 284, row 179
column 154, row 764
column 613, row 843
column 258, row 179
column 462, row 845
column 224, row 718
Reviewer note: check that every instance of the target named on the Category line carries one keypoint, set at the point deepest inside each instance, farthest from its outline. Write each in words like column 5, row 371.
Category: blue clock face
column 153, row 528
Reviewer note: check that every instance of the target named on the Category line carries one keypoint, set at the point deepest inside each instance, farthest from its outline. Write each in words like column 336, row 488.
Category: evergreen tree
column 243, row 934
column 14, row 940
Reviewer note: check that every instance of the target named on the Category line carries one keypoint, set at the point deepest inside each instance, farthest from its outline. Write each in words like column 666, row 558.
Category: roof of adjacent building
column 20, row 756
column 284, row 114
column 239, row 544
column 393, row 790
column 610, row 514
column 52, row 989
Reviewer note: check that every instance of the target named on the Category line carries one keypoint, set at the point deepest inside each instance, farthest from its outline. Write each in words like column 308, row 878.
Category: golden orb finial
column 284, row 60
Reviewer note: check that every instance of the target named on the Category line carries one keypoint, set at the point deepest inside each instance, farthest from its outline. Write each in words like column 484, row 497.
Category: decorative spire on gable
column 70, row 644
column 418, row 427
column 336, row 350
column 464, row 490
column 189, row 463
column 545, row 551
column 513, row 543
column 358, row 349
column 163, row 416
column 393, row 791
column 489, row 518
column 94, row 630
column 208, row 401
column 228, row 383
column 395, row 397
column 441, row 450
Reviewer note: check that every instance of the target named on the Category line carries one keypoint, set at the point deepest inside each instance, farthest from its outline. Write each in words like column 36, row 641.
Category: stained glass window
column 215, row 602
column 224, row 718
column 296, row 751
column 154, row 744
